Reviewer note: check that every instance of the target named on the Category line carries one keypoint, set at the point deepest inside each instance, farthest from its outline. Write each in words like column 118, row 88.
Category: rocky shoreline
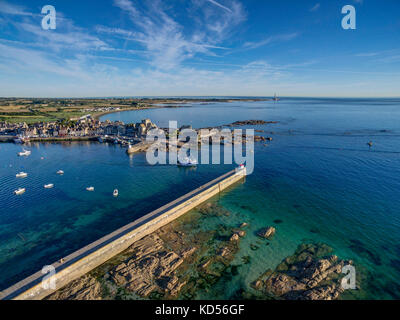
column 312, row 273
column 183, row 259
column 173, row 262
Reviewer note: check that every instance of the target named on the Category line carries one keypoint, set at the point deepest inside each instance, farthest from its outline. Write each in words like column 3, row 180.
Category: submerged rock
column 241, row 233
column 307, row 275
column 267, row 233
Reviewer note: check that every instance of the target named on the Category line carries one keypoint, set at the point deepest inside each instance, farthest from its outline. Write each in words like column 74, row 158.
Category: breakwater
column 100, row 251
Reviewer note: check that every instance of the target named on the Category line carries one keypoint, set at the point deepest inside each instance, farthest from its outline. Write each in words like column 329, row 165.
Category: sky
column 104, row 48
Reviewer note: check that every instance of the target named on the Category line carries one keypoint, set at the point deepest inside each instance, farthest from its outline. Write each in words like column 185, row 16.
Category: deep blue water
column 317, row 175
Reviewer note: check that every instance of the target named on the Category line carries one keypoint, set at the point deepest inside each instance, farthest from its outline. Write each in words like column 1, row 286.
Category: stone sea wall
column 97, row 253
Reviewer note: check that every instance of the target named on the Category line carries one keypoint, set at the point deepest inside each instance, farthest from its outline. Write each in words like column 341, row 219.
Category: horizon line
column 200, row 96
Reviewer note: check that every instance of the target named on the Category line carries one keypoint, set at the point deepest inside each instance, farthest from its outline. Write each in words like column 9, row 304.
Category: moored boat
column 90, row 189
column 60, row 172
column 49, row 186
column 24, row 153
column 19, row 191
column 187, row 162
column 21, row 175
column 115, row 193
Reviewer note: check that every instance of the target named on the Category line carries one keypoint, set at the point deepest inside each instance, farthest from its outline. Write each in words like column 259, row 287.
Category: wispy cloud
column 164, row 38
column 7, row 8
column 271, row 39
column 75, row 38
column 367, row 54
column 315, row 7
column 384, row 56
column 219, row 5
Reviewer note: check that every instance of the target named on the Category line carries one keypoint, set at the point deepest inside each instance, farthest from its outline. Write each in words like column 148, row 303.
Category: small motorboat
column 115, row 193
column 24, row 153
column 21, row 175
column 19, row 191
column 187, row 162
column 90, row 189
column 60, row 172
column 49, row 186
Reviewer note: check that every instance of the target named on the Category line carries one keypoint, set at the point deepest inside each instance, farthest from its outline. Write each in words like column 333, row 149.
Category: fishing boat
column 187, row 162
column 60, row 172
column 21, row 175
column 90, row 189
column 19, row 191
column 24, row 153
column 115, row 193
column 49, row 186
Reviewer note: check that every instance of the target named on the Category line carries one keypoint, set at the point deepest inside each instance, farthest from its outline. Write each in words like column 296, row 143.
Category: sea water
column 317, row 181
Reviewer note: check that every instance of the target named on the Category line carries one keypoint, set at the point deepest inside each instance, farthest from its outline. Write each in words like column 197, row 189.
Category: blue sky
column 200, row 47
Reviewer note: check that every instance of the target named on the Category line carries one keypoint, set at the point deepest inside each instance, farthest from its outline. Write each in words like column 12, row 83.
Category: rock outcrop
column 307, row 275
column 84, row 288
column 267, row 233
column 150, row 268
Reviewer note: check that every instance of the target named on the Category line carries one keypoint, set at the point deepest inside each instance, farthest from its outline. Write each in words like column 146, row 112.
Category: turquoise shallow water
column 318, row 176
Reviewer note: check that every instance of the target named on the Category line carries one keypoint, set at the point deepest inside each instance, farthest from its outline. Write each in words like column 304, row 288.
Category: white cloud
column 75, row 38
column 315, row 7
column 271, row 39
column 167, row 42
column 219, row 5
column 12, row 9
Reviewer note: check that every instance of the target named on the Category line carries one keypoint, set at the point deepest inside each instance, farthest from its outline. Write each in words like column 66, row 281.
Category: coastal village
column 85, row 126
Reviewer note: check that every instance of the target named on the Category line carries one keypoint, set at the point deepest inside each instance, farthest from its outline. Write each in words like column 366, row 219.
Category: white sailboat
column 49, row 186
column 187, row 162
column 21, row 175
column 115, row 193
column 60, row 172
column 90, row 189
column 24, row 153
column 19, row 191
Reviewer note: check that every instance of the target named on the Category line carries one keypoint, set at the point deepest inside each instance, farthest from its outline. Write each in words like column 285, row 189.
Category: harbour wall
column 86, row 259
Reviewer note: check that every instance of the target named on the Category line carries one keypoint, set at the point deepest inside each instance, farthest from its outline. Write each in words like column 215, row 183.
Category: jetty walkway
column 91, row 256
